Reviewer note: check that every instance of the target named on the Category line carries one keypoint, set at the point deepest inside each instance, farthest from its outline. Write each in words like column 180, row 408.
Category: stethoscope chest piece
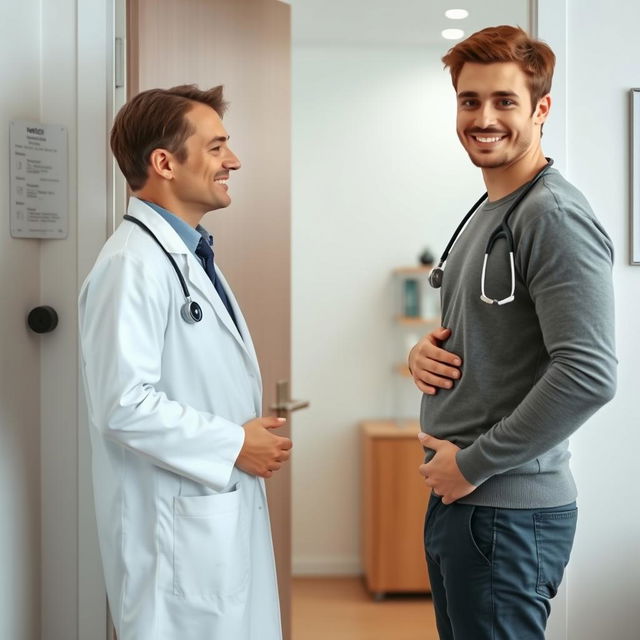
column 435, row 276
column 191, row 312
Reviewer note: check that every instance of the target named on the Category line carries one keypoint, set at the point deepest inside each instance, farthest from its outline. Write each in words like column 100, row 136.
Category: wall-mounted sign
column 39, row 180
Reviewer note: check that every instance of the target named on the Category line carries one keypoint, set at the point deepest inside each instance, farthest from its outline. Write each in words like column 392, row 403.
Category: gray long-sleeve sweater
column 535, row 369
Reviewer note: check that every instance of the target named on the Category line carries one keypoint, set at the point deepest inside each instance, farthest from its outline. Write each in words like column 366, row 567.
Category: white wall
column 19, row 349
column 604, row 577
column 374, row 149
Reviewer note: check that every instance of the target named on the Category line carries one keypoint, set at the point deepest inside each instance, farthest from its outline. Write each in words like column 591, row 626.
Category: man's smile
column 486, row 139
column 493, row 139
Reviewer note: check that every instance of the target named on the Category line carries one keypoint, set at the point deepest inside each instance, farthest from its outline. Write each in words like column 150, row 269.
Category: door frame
column 95, row 52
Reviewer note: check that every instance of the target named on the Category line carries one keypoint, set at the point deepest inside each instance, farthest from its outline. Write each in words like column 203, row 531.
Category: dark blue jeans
column 494, row 571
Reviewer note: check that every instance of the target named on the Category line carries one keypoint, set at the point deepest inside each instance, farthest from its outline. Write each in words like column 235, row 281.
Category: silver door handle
column 294, row 405
column 283, row 403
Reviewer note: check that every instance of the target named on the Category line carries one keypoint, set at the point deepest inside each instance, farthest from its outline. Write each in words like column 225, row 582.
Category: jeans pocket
column 432, row 505
column 482, row 531
column 554, row 533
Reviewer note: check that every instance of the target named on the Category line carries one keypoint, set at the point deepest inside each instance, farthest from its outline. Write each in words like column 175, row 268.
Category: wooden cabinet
column 394, row 505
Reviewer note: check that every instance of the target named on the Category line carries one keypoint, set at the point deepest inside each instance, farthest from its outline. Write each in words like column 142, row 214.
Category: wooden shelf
column 417, row 321
column 403, row 370
column 412, row 271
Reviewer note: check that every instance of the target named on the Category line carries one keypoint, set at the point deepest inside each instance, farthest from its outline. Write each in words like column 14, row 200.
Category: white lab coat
column 184, row 534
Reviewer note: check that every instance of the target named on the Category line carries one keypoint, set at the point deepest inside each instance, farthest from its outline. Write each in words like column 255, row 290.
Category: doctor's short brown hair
column 155, row 119
column 506, row 44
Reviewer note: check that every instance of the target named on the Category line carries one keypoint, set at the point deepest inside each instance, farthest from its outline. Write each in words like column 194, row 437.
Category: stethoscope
column 501, row 231
column 190, row 311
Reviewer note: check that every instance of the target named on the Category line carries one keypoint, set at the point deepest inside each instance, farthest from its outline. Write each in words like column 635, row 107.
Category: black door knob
column 42, row 319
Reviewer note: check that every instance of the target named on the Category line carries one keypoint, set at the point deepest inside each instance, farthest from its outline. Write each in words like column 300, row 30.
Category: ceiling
column 396, row 22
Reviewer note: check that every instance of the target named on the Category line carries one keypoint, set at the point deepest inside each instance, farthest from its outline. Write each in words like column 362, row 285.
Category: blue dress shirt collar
column 189, row 235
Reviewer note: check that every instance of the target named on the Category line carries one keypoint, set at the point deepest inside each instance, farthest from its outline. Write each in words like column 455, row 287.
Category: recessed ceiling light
column 452, row 34
column 456, row 14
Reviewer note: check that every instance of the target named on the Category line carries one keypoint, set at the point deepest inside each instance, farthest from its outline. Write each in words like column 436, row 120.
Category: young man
column 524, row 357
column 174, row 393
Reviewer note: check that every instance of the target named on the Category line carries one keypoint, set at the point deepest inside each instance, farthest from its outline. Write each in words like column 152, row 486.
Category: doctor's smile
column 222, row 182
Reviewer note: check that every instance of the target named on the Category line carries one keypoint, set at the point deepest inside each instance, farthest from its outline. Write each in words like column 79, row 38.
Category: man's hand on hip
column 263, row 452
column 442, row 473
column 431, row 366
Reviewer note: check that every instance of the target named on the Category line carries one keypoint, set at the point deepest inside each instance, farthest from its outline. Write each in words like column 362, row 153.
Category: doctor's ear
column 542, row 110
column 161, row 162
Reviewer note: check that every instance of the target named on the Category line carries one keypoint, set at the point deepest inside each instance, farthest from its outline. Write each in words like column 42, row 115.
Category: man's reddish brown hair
column 155, row 119
column 506, row 44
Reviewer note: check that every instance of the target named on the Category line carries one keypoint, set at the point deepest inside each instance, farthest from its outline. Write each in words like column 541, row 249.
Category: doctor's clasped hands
column 263, row 452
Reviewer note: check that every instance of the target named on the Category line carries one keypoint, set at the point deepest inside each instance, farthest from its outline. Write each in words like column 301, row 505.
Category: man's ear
column 161, row 163
column 542, row 110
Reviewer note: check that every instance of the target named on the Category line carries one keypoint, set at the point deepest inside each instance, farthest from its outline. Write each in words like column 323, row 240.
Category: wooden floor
column 341, row 609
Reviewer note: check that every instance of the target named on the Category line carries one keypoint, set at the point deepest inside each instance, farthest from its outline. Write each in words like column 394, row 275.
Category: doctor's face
column 200, row 182
column 495, row 123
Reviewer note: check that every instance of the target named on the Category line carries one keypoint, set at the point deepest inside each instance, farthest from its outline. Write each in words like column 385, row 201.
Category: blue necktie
column 205, row 253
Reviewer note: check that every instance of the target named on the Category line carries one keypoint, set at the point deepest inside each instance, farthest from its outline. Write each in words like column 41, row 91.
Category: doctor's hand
column 442, row 473
column 432, row 367
column 263, row 452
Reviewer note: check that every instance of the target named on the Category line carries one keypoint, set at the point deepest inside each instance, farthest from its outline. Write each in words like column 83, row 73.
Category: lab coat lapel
column 195, row 275
column 169, row 239
column 198, row 279
column 242, row 324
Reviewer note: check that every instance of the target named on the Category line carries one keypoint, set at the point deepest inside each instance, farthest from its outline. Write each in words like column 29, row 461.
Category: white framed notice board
column 39, row 180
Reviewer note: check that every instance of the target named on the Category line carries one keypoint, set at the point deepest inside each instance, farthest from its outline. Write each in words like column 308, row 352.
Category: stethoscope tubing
column 501, row 231
column 191, row 311
column 460, row 227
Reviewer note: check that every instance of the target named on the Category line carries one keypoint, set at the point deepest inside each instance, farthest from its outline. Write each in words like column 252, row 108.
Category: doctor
column 174, row 393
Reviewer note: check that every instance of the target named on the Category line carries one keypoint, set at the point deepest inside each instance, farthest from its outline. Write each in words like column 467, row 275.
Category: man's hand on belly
column 442, row 473
column 432, row 367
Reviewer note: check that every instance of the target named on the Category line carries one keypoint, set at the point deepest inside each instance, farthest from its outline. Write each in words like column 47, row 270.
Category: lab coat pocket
column 210, row 546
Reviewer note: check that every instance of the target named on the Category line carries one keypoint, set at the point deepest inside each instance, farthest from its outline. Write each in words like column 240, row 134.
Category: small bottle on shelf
column 411, row 298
